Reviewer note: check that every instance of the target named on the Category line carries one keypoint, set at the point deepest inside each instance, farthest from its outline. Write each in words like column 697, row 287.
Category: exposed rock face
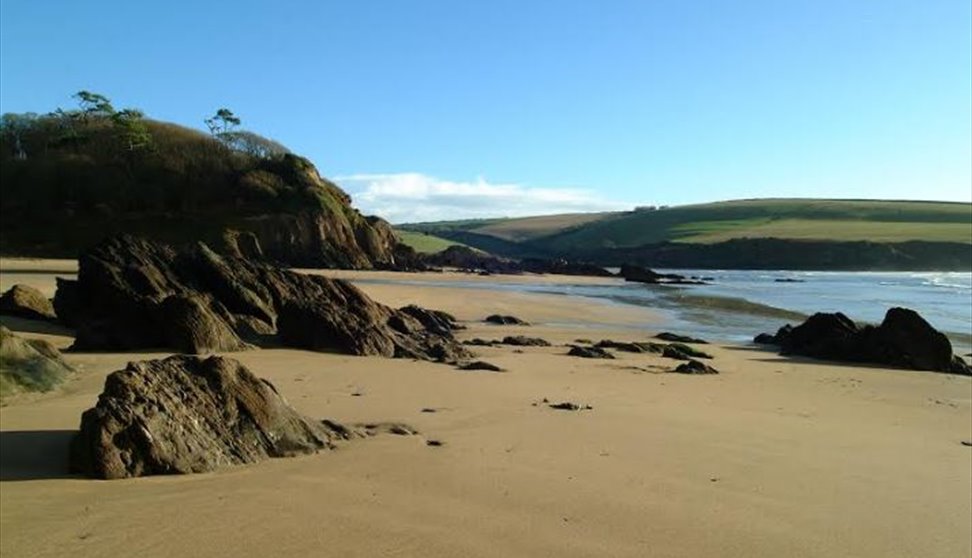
column 29, row 364
column 466, row 258
column 26, row 302
column 644, row 275
column 188, row 415
column 135, row 294
column 904, row 339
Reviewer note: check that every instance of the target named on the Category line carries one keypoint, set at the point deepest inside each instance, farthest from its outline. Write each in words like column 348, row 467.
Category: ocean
column 738, row 304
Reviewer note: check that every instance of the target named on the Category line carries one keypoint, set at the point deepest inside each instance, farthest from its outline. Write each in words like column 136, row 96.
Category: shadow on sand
column 34, row 454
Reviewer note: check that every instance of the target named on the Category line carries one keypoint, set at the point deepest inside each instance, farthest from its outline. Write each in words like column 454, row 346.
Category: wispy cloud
column 411, row 197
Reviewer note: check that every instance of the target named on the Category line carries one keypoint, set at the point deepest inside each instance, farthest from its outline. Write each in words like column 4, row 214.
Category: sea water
column 736, row 305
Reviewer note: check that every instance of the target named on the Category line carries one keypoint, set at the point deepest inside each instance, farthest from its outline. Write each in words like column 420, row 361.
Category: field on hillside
column 423, row 242
column 838, row 220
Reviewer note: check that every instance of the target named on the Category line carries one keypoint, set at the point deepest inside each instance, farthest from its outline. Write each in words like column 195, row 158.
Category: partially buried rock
column 633, row 347
column 589, row 352
column 667, row 336
column 479, row 342
column 29, row 364
column 524, row 341
column 680, row 351
column 24, row 301
column 500, row 319
column 480, row 365
column 570, row 406
column 189, row 415
column 695, row 367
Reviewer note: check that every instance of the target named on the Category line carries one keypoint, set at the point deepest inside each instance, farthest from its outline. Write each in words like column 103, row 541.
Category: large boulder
column 135, row 294
column 189, row 415
column 903, row 339
column 24, row 301
column 29, row 364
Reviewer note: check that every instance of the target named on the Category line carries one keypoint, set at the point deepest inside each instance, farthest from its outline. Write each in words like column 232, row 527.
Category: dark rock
column 29, row 364
column 135, row 294
column 681, row 351
column 695, row 367
column 524, row 341
column 633, row 347
column 504, row 320
column 481, row 263
column 478, row 342
column 638, row 274
column 569, row 406
column 666, row 336
column 788, row 280
column 589, row 352
column 26, row 302
column 66, row 301
column 904, row 339
column 188, row 415
column 480, row 365
column 771, row 339
column 435, row 443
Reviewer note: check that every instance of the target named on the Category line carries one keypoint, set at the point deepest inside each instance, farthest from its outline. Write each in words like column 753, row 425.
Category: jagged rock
column 589, row 352
column 189, row 415
column 674, row 337
column 465, row 258
column 504, row 320
column 24, row 301
column 695, row 367
column 191, row 327
column 135, row 294
column 29, row 364
column 524, row 341
column 904, row 339
column 480, row 365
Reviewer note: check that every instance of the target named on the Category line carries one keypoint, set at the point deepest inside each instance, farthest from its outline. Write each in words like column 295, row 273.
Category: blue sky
column 444, row 109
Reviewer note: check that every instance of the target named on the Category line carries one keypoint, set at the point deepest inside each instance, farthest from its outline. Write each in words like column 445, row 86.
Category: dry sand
column 773, row 457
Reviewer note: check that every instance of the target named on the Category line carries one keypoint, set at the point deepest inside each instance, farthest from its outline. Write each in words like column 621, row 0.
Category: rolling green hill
column 797, row 219
column 424, row 243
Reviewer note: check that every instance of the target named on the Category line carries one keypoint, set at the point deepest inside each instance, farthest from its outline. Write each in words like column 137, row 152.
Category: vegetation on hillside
column 424, row 243
column 71, row 177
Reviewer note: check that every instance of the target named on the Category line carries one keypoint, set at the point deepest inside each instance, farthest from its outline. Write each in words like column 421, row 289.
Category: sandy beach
column 773, row 457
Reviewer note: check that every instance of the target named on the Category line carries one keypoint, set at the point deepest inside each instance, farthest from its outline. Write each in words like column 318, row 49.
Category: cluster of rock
column 903, row 339
column 638, row 274
column 136, row 294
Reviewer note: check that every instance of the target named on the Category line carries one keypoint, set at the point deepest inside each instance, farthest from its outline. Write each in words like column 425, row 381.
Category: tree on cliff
column 222, row 122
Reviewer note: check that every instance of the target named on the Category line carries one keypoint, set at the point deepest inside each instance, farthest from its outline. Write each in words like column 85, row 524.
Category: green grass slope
column 802, row 219
column 424, row 243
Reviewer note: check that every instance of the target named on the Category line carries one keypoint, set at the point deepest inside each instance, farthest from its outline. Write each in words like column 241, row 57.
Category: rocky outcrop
column 189, row 415
column 29, row 364
column 24, row 301
column 524, row 341
column 644, row 275
column 480, row 365
column 136, row 294
column 904, row 339
column 468, row 259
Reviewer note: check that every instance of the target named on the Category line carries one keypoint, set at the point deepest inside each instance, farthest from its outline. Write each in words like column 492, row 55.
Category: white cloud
column 413, row 197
